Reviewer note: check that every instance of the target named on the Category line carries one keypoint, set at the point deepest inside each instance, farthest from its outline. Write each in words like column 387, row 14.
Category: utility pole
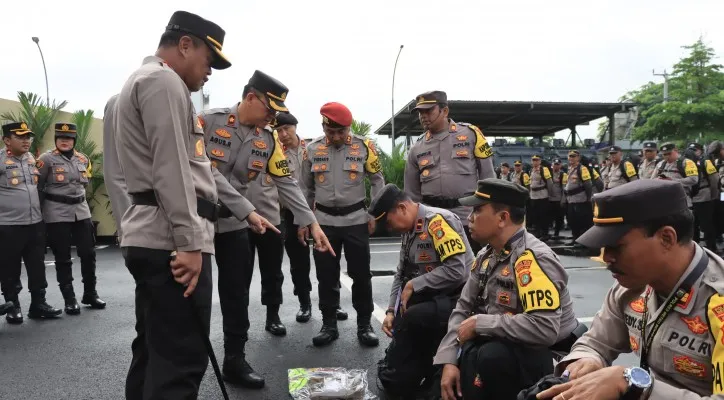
column 666, row 83
column 47, row 92
column 393, row 96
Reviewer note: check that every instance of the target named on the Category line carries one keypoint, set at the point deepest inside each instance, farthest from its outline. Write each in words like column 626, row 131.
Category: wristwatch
column 638, row 382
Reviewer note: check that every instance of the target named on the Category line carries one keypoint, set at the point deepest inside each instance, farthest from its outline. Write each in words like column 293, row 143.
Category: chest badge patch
column 355, row 146
column 268, row 179
column 687, row 366
column 424, row 257
column 352, row 175
column 504, row 298
column 223, row 133
column 461, row 138
column 634, row 343
column 429, row 268
column 217, row 153
column 252, row 175
column 505, row 271
column 321, row 178
column 260, row 144
column 637, row 305
column 423, row 236
column 58, row 177
column 696, row 325
column 231, row 120
column 424, row 162
column 257, row 164
column 426, row 172
column 15, row 181
column 199, row 148
column 9, row 162
column 353, row 166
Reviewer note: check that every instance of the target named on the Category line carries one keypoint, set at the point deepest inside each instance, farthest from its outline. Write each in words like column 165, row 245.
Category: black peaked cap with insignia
column 617, row 210
column 649, row 145
column 17, row 128
column 428, row 100
column 209, row 32
column 274, row 90
column 384, row 201
column 499, row 191
column 63, row 129
column 284, row 119
column 614, row 149
column 667, row 147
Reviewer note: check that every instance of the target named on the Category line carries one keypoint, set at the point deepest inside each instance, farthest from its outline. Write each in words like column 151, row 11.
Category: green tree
column 37, row 114
column 360, row 128
column 83, row 119
column 695, row 107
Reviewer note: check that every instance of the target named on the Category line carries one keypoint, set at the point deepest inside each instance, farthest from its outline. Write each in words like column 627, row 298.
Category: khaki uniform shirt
column 616, row 177
column 686, row 358
column 540, row 183
column 161, row 148
column 505, row 177
column 334, row 177
column 671, row 171
column 435, row 256
column 572, row 189
column 646, row 168
column 604, row 173
column 521, row 178
column 19, row 201
column 448, row 165
column 526, row 298
column 65, row 177
column 709, row 185
column 246, row 156
column 112, row 174
column 558, row 182
column 295, row 157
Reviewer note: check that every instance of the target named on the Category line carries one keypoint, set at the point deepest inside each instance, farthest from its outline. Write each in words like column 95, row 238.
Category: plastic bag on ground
column 329, row 384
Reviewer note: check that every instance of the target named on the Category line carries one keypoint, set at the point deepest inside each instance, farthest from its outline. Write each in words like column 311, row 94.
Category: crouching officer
column 514, row 308
column 673, row 297
column 64, row 175
column 22, row 234
column 433, row 267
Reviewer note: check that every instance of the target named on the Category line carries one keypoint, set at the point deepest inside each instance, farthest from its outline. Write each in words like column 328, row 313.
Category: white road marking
column 386, row 244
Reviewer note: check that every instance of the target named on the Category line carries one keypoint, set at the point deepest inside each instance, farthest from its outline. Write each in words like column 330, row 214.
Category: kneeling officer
column 433, row 267
column 514, row 308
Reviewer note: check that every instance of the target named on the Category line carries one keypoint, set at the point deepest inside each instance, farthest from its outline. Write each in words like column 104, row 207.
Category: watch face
column 640, row 378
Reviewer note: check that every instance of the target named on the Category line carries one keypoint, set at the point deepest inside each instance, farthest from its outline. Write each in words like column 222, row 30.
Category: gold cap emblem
column 64, row 128
column 23, row 126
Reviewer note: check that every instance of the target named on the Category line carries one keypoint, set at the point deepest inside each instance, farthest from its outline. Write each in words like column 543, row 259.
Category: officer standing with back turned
column 64, row 175
column 22, row 233
column 447, row 160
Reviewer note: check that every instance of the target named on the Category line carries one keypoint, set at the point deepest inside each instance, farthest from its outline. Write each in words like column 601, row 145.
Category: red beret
column 336, row 114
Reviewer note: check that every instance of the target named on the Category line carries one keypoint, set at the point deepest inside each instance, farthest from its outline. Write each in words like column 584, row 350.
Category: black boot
column 71, row 304
column 365, row 334
column 329, row 332
column 39, row 308
column 90, row 297
column 7, row 307
column 341, row 314
column 14, row 315
column 305, row 308
column 236, row 369
column 273, row 323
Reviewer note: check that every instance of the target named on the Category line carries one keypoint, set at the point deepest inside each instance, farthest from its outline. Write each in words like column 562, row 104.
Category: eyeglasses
column 269, row 110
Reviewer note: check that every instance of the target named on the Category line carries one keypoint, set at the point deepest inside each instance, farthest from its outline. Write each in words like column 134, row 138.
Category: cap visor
column 23, row 133
column 220, row 60
column 472, row 201
column 425, row 106
column 278, row 105
column 601, row 236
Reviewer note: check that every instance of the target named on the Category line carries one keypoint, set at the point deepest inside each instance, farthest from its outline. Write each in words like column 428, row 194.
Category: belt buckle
column 215, row 213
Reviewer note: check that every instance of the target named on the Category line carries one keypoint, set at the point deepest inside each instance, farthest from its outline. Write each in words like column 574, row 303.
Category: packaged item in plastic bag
column 328, row 384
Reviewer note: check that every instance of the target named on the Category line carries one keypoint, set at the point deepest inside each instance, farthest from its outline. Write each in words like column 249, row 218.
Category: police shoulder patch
column 372, row 164
column 446, row 240
column 690, row 168
column 715, row 318
column 535, row 289
column 526, row 179
column 585, row 175
column 277, row 165
column 630, row 170
column 595, row 174
column 710, row 169
column 565, row 178
column 482, row 148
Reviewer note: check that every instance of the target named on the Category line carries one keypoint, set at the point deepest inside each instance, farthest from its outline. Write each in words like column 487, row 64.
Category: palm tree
column 360, row 128
column 83, row 119
column 37, row 114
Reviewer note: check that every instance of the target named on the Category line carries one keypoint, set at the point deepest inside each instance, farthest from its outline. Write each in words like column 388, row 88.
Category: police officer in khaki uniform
column 578, row 192
column 295, row 150
column 244, row 148
column 540, row 187
column 519, row 176
column 333, row 176
column 174, row 193
column 22, row 233
column 673, row 167
column 620, row 171
column 703, row 201
column 648, row 161
column 559, row 179
column 112, row 174
column 434, row 265
column 64, row 175
column 673, row 297
column 514, row 306
column 447, row 160
column 505, row 171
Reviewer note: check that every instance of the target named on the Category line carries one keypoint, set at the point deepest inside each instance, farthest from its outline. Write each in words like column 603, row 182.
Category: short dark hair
column 517, row 214
column 401, row 198
column 171, row 38
column 682, row 222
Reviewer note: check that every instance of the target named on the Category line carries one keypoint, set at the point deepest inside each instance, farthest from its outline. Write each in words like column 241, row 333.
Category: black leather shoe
column 91, row 299
column 71, row 306
column 14, row 316
column 327, row 335
column 341, row 314
column 367, row 336
column 276, row 328
column 42, row 310
column 305, row 313
column 237, row 370
column 7, row 307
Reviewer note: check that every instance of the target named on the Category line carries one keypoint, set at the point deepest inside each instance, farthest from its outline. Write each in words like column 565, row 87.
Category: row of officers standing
column 556, row 193
column 42, row 203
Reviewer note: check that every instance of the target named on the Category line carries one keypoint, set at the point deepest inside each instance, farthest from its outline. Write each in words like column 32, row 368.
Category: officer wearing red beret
column 333, row 175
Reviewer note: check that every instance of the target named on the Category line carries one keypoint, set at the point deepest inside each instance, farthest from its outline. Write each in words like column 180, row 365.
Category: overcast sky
column 344, row 51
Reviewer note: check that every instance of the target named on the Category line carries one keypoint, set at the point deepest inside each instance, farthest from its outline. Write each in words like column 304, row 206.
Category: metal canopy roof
column 510, row 118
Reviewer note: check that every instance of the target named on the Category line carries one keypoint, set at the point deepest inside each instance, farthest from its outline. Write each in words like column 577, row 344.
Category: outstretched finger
column 192, row 286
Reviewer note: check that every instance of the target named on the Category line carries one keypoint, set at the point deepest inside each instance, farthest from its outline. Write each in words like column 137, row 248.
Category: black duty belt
column 442, row 202
column 340, row 211
column 574, row 192
column 60, row 198
column 206, row 209
column 535, row 189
